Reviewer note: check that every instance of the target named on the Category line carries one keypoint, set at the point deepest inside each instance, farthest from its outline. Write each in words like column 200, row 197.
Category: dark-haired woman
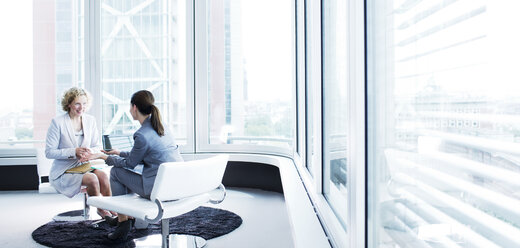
column 153, row 145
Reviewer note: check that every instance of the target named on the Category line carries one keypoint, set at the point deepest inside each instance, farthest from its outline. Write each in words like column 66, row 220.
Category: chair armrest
column 223, row 189
column 159, row 213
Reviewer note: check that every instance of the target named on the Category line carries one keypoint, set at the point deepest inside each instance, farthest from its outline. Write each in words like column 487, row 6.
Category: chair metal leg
column 86, row 208
column 75, row 215
column 165, row 231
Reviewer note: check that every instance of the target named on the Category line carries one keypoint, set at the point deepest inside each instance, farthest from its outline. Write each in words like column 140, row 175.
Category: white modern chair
column 179, row 187
column 44, row 166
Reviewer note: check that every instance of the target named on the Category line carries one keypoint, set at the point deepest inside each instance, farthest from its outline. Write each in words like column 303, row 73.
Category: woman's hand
column 82, row 154
column 98, row 155
column 111, row 152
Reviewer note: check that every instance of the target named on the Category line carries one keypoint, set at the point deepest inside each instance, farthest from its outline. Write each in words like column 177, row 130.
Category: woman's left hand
column 97, row 156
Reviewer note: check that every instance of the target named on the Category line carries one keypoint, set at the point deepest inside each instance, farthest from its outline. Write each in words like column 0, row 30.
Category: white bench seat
column 141, row 208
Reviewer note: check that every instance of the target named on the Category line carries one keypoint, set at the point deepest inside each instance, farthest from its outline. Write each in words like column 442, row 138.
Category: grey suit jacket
column 149, row 149
column 61, row 143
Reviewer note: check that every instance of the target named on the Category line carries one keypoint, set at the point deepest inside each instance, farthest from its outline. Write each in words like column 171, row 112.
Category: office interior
column 348, row 123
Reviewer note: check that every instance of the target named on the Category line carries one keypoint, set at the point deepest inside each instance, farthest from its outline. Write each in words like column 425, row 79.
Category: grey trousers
column 123, row 181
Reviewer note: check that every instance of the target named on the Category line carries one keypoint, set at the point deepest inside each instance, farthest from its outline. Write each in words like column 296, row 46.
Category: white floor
column 265, row 221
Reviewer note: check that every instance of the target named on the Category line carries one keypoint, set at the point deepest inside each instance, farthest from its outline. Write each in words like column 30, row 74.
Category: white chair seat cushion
column 138, row 207
column 46, row 188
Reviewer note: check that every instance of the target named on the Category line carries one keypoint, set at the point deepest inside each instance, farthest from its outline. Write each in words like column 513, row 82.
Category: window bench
column 306, row 229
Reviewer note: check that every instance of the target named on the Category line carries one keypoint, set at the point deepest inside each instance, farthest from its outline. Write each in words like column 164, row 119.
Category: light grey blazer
column 61, row 143
column 149, row 149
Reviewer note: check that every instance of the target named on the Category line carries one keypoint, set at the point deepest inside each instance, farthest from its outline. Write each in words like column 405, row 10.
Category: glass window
column 143, row 47
column 251, row 72
column 335, row 105
column 39, row 60
column 444, row 127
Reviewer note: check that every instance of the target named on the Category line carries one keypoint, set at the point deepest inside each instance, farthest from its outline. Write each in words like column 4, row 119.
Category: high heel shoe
column 103, row 213
column 122, row 230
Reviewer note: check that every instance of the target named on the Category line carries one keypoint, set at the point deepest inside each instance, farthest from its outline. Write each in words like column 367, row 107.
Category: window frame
column 354, row 235
column 202, row 144
column 93, row 66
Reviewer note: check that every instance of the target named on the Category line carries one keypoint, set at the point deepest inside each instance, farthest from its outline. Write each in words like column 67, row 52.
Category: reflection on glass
column 250, row 72
column 335, row 105
column 40, row 55
column 445, row 154
column 143, row 46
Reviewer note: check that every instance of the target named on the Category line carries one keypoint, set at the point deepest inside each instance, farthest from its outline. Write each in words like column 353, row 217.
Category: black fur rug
column 204, row 222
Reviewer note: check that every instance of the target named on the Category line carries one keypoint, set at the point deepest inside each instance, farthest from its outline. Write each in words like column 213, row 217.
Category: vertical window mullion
column 92, row 56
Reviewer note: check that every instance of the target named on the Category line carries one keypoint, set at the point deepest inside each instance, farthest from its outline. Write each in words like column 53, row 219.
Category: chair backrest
column 176, row 180
column 44, row 164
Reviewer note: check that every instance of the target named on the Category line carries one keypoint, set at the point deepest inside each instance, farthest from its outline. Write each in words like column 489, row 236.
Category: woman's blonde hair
column 71, row 94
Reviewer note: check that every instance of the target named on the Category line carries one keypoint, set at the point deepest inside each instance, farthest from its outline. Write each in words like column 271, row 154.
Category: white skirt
column 68, row 184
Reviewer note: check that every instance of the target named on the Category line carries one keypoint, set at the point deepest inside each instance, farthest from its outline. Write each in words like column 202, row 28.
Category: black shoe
column 111, row 220
column 122, row 230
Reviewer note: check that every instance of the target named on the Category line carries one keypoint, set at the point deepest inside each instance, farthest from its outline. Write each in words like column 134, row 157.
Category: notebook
column 81, row 169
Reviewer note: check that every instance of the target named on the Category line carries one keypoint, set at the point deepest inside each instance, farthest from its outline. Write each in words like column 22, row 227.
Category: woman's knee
column 104, row 183
column 90, row 180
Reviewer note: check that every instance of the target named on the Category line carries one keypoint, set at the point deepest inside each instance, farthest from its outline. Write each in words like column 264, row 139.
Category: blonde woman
column 71, row 138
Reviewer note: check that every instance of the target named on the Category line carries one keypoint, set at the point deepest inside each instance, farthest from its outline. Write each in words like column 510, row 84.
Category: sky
column 268, row 44
column 16, row 60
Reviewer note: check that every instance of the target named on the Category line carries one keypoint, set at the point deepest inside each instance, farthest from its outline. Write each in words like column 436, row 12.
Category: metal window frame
column 354, row 235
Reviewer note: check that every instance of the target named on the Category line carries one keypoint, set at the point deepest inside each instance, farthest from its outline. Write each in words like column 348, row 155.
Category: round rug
column 205, row 222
